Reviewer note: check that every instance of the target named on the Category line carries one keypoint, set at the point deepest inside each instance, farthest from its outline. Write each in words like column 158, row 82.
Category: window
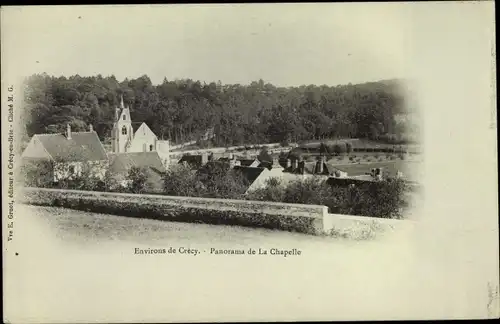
column 124, row 117
column 151, row 147
column 124, row 130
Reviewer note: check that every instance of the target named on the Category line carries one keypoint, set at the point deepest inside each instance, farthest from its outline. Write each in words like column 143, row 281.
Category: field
column 359, row 144
column 392, row 167
column 80, row 227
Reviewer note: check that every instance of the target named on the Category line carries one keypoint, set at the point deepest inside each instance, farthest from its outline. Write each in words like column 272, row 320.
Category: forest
column 184, row 110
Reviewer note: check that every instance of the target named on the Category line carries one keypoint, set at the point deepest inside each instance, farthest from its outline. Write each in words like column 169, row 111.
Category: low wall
column 309, row 219
column 362, row 227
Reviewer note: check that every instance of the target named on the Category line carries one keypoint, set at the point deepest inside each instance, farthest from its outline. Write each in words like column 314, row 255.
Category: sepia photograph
column 195, row 155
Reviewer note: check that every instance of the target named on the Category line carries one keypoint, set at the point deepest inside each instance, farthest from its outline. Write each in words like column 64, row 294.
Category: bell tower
column 122, row 128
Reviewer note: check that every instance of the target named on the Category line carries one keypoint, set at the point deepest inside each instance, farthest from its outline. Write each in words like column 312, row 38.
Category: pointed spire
column 121, row 102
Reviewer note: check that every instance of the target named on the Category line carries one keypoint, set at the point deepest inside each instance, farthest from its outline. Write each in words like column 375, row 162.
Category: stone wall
column 308, row 219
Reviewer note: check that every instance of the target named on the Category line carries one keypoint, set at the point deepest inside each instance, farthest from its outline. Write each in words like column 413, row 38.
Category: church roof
column 122, row 162
column 82, row 147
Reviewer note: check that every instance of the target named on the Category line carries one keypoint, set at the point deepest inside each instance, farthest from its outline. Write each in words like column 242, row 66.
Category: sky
column 285, row 44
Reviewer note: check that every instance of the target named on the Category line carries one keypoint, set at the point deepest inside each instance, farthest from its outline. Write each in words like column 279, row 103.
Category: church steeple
column 122, row 128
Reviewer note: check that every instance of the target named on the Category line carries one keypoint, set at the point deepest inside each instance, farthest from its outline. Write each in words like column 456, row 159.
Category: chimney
column 204, row 158
column 302, row 165
column 91, row 128
column 68, row 131
column 294, row 164
column 319, row 166
column 380, row 173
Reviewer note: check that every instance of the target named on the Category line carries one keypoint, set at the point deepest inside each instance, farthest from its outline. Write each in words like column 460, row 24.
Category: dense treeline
column 184, row 110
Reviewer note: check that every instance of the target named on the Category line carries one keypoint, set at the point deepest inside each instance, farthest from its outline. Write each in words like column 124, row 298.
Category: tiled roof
column 212, row 167
column 247, row 162
column 249, row 173
column 82, row 147
column 266, row 164
column 122, row 162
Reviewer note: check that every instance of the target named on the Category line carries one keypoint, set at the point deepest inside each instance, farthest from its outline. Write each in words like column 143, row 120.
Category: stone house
column 69, row 153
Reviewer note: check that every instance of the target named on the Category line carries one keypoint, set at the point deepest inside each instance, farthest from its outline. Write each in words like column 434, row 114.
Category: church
column 126, row 139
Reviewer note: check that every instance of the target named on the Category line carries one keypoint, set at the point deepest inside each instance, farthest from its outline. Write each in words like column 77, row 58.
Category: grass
column 359, row 232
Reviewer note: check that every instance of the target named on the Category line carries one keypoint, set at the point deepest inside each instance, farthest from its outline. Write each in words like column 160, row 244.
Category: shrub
column 264, row 156
column 37, row 173
column 84, row 181
column 143, row 180
column 339, row 148
column 273, row 191
column 180, row 181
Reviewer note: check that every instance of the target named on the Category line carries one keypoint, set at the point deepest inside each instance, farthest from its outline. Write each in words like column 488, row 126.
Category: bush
column 310, row 191
column 264, row 156
column 230, row 184
column 273, row 191
column 339, row 148
column 143, row 180
column 37, row 173
column 180, row 181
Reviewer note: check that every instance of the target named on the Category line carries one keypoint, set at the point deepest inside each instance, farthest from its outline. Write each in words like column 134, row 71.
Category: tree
column 180, row 181
column 37, row 173
column 264, row 156
column 339, row 148
column 348, row 147
column 181, row 110
column 138, row 179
